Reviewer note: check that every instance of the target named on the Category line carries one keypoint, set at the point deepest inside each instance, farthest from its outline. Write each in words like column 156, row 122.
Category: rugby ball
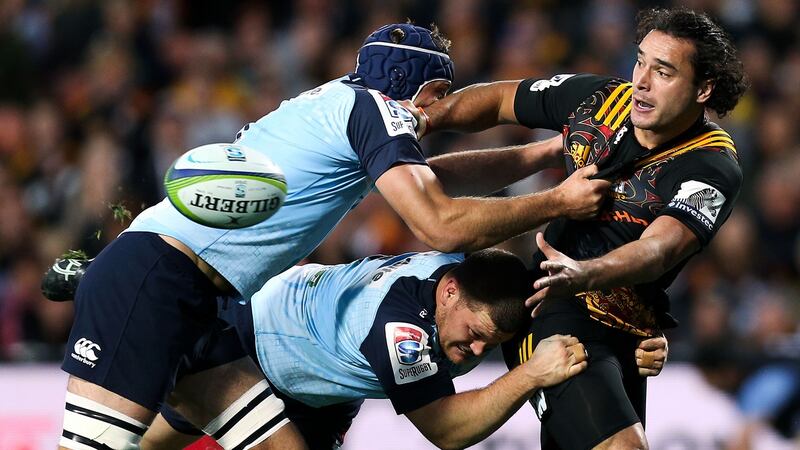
column 225, row 186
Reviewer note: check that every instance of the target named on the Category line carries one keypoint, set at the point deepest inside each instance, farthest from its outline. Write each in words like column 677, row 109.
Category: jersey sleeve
column 547, row 103
column 699, row 189
column 382, row 133
column 398, row 347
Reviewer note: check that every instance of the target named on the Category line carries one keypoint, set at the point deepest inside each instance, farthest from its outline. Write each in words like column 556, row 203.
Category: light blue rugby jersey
column 332, row 142
column 331, row 334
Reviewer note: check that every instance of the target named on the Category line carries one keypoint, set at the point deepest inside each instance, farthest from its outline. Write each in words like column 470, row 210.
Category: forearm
column 470, row 223
column 474, row 108
column 481, row 172
column 466, row 418
column 638, row 262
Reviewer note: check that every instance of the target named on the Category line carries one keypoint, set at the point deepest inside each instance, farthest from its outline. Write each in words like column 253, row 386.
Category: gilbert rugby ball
column 225, row 186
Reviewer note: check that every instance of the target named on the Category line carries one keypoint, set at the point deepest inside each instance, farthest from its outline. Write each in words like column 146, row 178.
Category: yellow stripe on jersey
column 530, row 345
column 611, row 98
column 625, row 99
column 526, row 348
column 622, row 116
column 717, row 138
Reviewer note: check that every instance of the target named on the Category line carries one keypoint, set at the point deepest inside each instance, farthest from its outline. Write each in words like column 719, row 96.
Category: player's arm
column 464, row 224
column 534, row 103
column 481, row 172
column 663, row 244
column 702, row 187
column 463, row 419
column 473, row 108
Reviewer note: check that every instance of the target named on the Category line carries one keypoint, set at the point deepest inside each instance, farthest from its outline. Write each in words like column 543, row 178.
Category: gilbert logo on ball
column 225, row 186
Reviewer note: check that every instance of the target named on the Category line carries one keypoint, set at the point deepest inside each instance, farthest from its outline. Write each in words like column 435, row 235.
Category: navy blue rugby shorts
column 143, row 312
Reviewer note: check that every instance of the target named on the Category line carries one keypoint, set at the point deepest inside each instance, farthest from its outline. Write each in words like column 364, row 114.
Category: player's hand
column 580, row 197
column 420, row 117
column 555, row 359
column 652, row 355
column 565, row 276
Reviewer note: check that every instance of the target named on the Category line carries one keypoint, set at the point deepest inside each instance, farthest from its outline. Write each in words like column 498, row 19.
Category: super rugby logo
column 700, row 200
column 409, row 352
column 86, row 352
column 408, row 345
column 396, row 119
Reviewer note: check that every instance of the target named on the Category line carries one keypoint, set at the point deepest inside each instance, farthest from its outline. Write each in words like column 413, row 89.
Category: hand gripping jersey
column 694, row 178
column 332, row 143
column 331, row 334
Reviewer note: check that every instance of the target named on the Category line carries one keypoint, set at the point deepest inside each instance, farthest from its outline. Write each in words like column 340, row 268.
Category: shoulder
column 581, row 83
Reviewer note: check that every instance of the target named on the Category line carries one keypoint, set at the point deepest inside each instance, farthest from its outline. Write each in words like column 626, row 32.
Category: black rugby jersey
column 694, row 178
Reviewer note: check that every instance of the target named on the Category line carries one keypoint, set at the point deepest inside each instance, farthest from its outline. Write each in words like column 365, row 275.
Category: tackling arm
column 481, row 172
column 463, row 419
column 465, row 224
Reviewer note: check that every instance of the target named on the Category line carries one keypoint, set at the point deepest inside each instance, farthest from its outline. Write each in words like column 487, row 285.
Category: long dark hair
column 715, row 56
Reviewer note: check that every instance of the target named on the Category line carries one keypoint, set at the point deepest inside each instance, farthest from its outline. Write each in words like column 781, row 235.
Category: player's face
column 665, row 97
column 465, row 335
column 431, row 92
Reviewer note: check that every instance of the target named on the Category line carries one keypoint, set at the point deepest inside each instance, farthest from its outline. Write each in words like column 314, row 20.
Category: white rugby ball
column 225, row 186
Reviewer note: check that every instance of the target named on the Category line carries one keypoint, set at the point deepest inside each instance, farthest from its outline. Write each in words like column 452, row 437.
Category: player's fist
column 651, row 356
column 580, row 197
column 555, row 359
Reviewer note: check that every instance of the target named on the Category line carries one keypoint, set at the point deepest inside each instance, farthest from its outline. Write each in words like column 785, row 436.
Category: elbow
column 442, row 237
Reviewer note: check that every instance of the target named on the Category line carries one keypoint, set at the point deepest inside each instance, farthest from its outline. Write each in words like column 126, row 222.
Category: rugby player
column 676, row 176
column 146, row 305
column 396, row 327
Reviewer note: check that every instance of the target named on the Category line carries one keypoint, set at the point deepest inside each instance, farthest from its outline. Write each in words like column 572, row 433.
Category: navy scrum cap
column 400, row 63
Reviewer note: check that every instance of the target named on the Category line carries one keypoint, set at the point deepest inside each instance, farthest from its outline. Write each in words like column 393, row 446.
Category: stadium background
column 98, row 97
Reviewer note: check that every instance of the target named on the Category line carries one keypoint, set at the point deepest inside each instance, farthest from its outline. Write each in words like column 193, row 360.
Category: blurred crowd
column 97, row 98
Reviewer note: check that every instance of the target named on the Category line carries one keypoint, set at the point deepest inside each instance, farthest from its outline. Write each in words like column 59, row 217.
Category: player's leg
column 235, row 405
column 139, row 308
column 591, row 407
column 223, row 392
column 636, row 390
column 164, row 434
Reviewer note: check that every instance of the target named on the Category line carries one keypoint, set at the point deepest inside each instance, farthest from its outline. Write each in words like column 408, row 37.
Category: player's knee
column 630, row 438
column 254, row 417
column 88, row 424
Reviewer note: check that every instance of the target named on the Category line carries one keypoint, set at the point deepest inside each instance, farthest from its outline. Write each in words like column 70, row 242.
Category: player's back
column 307, row 137
column 311, row 321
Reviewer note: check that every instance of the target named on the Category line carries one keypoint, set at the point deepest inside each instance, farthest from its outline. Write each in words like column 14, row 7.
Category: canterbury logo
column 69, row 270
column 86, row 351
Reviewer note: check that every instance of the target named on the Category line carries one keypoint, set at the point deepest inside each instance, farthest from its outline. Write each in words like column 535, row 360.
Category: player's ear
column 450, row 291
column 705, row 90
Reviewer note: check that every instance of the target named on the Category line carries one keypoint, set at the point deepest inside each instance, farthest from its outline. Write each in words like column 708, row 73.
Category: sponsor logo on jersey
column 540, row 404
column 699, row 200
column 541, row 85
column 86, row 352
column 620, row 134
column 409, row 352
column 396, row 119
